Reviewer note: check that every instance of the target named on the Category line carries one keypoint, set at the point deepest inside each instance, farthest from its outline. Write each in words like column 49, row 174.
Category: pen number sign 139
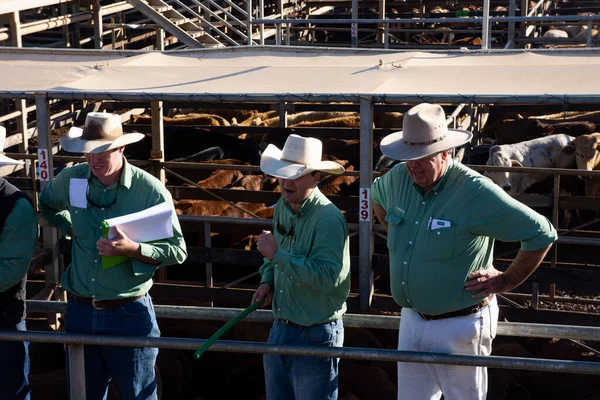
column 364, row 199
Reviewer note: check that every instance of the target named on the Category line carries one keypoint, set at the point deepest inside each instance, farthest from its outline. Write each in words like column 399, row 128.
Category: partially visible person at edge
column 306, row 272
column 442, row 219
column 112, row 301
column 18, row 238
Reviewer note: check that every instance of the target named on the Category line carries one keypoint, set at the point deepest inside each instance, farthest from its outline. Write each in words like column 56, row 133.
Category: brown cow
column 183, row 119
column 221, row 178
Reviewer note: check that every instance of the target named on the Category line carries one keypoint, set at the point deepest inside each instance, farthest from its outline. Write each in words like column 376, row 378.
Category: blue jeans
column 303, row 378
column 14, row 368
column 131, row 368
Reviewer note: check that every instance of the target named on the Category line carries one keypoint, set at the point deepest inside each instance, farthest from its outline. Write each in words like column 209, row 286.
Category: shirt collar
column 308, row 203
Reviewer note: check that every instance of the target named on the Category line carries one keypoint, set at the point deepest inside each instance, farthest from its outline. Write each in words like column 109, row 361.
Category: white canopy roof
column 304, row 74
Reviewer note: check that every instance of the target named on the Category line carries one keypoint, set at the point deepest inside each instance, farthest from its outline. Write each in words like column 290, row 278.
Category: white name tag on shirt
column 77, row 192
column 439, row 223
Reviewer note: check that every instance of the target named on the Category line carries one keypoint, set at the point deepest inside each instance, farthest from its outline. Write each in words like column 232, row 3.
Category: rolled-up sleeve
column 495, row 214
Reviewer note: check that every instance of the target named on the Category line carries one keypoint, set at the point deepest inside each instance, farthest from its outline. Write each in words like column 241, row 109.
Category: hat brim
column 73, row 143
column 272, row 164
column 8, row 161
column 394, row 147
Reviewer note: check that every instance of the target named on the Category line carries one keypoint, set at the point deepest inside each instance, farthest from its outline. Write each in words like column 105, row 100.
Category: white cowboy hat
column 424, row 133
column 101, row 132
column 3, row 159
column 300, row 156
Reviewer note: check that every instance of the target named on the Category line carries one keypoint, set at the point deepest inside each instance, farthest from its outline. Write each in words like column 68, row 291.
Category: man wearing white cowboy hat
column 442, row 219
column 306, row 273
column 110, row 301
column 18, row 238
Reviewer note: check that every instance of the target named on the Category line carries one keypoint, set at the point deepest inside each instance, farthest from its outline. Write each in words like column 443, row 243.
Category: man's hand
column 119, row 246
column 264, row 291
column 486, row 282
column 267, row 244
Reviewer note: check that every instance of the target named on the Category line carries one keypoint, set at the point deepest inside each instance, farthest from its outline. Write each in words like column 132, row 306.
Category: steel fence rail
column 532, row 364
column 350, row 320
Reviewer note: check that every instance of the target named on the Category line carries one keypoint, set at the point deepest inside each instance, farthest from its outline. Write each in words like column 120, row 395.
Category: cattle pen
column 469, row 83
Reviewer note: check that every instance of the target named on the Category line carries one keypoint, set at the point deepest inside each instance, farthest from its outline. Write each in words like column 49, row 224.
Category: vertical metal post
column 208, row 244
column 16, row 40
column 98, row 29
column 77, row 371
column 277, row 34
column 485, row 33
column 249, row 20
column 386, row 36
column 261, row 10
column 288, row 34
column 510, row 43
column 64, row 10
column 50, row 234
column 554, row 250
column 381, row 29
column 353, row 25
column 589, row 34
column 76, row 28
column 160, row 39
column 523, row 27
column 365, row 228
column 158, row 139
column 281, row 107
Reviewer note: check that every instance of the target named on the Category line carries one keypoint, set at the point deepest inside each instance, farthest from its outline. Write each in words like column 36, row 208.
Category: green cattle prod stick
column 226, row 327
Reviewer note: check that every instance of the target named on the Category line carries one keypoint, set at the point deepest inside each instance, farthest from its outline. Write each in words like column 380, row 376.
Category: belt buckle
column 94, row 304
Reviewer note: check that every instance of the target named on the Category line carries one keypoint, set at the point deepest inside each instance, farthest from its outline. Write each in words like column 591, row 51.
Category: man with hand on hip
column 18, row 238
column 442, row 219
column 112, row 301
column 306, row 273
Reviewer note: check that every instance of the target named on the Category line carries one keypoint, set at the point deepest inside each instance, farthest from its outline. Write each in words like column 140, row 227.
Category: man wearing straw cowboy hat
column 306, row 273
column 18, row 237
column 111, row 301
column 442, row 219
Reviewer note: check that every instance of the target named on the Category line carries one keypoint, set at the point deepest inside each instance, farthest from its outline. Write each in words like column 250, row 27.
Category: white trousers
column 469, row 335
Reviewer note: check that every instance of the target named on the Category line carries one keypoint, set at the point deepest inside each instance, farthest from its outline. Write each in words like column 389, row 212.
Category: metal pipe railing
column 532, row 364
column 517, row 329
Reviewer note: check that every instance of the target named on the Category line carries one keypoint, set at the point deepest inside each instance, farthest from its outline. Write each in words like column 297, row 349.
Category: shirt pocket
column 79, row 222
column 439, row 244
column 395, row 222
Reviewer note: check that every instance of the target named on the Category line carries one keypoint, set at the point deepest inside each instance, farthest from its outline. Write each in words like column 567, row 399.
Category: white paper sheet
column 153, row 223
column 77, row 192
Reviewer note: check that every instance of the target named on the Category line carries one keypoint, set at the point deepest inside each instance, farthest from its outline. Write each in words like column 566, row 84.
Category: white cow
column 545, row 152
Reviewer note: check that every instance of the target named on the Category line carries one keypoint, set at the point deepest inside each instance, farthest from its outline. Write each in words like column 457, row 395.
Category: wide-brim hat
column 101, row 132
column 299, row 156
column 3, row 159
column 424, row 133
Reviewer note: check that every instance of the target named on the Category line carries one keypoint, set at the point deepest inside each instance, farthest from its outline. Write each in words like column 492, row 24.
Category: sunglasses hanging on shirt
column 97, row 205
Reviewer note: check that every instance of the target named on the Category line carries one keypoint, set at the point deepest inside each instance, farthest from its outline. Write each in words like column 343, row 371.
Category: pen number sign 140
column 44, row 173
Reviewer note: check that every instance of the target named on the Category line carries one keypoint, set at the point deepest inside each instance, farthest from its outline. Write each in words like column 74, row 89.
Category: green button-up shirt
column 437, row 239
column 310, row 272
column 136, row 191
column 17, row 243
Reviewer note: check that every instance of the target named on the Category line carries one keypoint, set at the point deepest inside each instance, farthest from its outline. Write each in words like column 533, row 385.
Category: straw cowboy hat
column 101, row 132
column 3, row 159
column 424, row 133
column 300, row 156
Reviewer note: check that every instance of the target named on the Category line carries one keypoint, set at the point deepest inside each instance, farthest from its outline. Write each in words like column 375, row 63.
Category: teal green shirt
column 310, row 272
column 136, row 191
column 437, row 239
column 17, row 243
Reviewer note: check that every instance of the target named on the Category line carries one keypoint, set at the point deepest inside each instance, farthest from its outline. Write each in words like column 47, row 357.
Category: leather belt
column 452, row 314
column 288, row 322
column 106, row 304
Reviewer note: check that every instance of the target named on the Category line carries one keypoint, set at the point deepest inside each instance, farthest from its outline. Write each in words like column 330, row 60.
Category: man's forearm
column 523, row 265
